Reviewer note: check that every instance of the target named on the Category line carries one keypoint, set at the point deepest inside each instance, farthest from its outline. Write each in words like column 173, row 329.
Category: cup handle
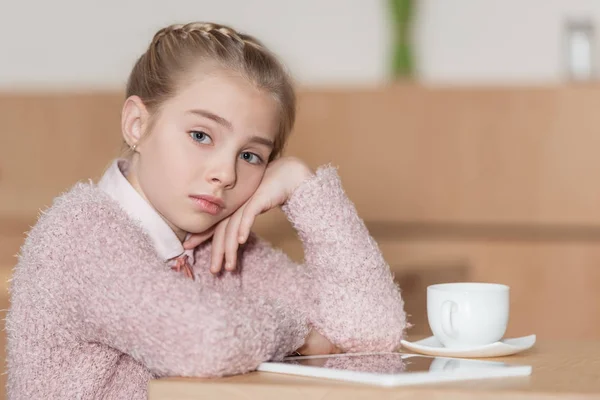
column 448, row 308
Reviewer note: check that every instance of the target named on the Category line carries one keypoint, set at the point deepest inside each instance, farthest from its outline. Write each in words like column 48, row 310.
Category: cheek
column 164, row 165
column 174, row 151
column 248, row 182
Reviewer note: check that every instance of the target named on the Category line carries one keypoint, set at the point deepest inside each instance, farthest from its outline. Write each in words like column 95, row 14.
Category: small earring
column 133, row 147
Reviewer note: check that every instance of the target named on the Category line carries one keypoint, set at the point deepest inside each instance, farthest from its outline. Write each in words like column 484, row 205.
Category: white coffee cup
column 468, row 314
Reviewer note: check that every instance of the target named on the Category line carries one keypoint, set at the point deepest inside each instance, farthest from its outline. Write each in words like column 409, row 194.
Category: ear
column 134, row 120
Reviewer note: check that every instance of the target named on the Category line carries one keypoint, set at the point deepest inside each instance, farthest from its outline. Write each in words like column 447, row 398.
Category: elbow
column 230, row 359
column 374, row 344
column 384, row 340
column 382, row 334
column 392, row 330
column 213, row 361
column 393, row 324
column 217, row 367
column 389, row 337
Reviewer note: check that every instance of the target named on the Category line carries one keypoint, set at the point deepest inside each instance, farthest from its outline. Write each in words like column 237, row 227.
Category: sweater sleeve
column 129, row 300
column 345, row 286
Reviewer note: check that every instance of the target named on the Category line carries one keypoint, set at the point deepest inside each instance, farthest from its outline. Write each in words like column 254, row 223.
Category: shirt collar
column 116, row 185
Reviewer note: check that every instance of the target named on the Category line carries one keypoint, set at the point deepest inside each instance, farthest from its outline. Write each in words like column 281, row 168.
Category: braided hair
column 176, row 49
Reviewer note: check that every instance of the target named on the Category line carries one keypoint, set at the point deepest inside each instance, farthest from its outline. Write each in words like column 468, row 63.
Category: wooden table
column 560, row 370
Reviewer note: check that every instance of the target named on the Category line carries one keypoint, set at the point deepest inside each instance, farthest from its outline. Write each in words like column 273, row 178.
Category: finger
column 231, row 239
column 253, row 208
column 196, row 239
column 192, row 241
column 218, row 247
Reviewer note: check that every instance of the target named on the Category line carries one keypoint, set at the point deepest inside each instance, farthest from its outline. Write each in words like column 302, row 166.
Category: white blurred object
column 580, row 50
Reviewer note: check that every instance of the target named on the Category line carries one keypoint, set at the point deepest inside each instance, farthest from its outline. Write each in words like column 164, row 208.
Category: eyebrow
column 207, row 114
column 261, row 140
column 222, row 121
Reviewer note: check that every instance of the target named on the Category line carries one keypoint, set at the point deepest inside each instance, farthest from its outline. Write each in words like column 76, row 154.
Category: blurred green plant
column 402, row 60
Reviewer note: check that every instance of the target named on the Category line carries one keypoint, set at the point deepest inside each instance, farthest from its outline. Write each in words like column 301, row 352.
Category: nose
column 222, row 173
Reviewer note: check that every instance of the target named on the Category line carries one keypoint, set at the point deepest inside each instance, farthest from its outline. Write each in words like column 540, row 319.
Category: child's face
column 214, row 138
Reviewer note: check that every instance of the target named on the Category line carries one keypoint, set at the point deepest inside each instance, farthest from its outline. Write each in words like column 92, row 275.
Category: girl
column 154, row 272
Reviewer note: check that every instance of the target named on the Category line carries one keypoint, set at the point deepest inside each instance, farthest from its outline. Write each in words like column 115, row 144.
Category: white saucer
column 432, row 347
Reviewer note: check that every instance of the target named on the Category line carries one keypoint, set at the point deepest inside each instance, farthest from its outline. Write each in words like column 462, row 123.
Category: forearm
column 358, row 305
column 171, row 324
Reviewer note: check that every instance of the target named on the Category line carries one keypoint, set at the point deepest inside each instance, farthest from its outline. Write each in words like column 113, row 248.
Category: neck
column 132, row 178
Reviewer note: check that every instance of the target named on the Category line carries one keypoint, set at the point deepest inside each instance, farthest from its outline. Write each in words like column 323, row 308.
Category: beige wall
column 91, row 44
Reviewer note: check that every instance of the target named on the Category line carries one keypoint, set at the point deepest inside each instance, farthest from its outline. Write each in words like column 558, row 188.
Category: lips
column 209, row 204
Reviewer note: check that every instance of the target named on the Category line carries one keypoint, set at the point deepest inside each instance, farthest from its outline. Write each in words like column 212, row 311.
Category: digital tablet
column 393, row 369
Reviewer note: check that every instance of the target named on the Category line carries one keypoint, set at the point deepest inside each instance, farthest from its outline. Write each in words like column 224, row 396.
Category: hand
column 279, row 182
column 317, row 344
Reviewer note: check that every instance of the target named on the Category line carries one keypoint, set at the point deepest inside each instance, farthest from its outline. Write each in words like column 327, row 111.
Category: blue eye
column 200, row 137
column 251, row 158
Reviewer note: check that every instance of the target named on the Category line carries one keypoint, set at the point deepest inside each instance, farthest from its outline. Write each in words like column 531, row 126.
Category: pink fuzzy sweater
column 96, row 313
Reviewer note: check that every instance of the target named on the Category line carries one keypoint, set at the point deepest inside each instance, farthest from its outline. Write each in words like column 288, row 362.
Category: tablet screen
column 391, row 363
column 393, row 369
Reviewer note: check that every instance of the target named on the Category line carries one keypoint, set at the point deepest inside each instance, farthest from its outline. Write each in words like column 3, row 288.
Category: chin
column 197, row 225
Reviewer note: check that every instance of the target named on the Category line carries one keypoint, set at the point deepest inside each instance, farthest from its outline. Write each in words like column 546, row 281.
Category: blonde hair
column 177, row 49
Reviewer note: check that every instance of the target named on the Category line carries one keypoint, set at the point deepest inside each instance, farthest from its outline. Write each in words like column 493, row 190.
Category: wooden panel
column 554, row 285
column 406, row 153
column 460, row 155
column 49, row 142
column 493, row 184
column 12, row 234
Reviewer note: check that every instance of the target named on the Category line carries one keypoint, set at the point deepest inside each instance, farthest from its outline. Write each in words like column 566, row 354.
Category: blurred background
column 466, row 132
